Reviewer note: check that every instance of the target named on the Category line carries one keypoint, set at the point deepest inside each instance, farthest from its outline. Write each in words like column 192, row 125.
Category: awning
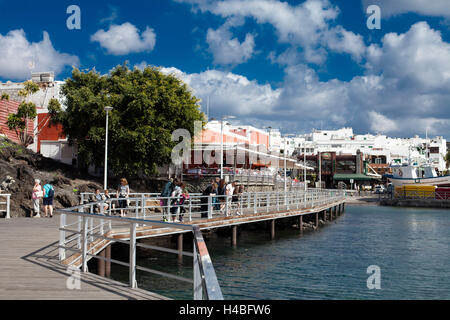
column 353, row 176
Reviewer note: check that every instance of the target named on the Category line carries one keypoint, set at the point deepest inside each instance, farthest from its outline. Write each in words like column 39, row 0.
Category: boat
column 413, row 174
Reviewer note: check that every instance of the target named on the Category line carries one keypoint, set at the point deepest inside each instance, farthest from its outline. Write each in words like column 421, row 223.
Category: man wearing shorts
column 49, row 193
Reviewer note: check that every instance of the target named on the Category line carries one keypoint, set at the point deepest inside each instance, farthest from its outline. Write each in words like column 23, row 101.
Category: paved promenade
column 29, row 269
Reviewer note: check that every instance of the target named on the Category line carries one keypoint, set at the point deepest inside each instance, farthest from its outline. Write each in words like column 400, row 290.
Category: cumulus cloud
column 438, row 8
column 307, row 26
column 227, row 50
column 229, row 92
column 124, row 39
column 404, row 90
column 19, row 57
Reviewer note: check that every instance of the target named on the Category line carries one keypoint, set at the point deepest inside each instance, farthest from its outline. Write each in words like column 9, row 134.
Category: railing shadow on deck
column 48, row 258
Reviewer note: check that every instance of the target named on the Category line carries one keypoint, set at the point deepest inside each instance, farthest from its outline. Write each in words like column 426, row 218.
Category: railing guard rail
column 205, row 279
column 7, row 204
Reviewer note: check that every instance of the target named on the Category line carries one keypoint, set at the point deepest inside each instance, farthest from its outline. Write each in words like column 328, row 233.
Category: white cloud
column 419, row 59
column 381, row 123
column 439, row 8
column 306, row 25
column 19, row 57
column 125, row 38
column 227, row 50
column 230, row 93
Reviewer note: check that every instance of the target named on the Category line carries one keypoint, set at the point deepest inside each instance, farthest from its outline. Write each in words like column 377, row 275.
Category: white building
column 384, row 149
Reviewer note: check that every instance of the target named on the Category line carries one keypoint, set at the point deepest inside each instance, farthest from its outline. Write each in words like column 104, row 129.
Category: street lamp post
column 221, row 144
column 285, row 174
column 320, row 170
column 107, row 109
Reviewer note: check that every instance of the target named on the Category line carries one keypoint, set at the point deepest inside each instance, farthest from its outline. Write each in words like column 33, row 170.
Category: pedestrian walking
column 165, row 194
column 237, row 194
column 123, row 192
column 184, row 197
column 209, row 191
column 36, row 198
column 221, row 192
column 175, row 200
column 49, row 194
column 229, row 191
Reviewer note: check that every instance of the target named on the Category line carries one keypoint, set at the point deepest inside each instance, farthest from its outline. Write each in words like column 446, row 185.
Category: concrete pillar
column 317, row 220
column 101, row 264
column 272, row 229
column 108, row 263
column 300, row 224
column 180, row 246
column 234, row 236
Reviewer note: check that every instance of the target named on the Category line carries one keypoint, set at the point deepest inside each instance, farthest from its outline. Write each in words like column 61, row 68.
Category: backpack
column 51, row 192
column 168, row 189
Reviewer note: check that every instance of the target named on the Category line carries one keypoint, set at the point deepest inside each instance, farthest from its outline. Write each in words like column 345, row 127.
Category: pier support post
column 108, row 263
column 331, row 213
column 324, row 215
column 317, row 220
column 234, row 236
column 272, row 229
column 300, row 224
column 180, row 247
column 101, row 264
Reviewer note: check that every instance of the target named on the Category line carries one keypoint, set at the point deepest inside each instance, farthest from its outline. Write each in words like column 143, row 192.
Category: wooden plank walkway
column 30, row 270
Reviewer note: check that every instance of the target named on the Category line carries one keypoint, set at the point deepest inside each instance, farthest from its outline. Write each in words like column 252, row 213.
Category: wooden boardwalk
column 142, row 232
column 30, row 270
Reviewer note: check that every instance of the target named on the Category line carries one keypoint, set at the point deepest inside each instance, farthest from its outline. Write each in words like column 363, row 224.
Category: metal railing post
column 198, row 292
column 210, row 211
column 84, row 248
column 255, row 199
column 143, row 206
column 8, row 206
column 190, row 209
column 62, row 237
column 133, row 255
column 226, row 205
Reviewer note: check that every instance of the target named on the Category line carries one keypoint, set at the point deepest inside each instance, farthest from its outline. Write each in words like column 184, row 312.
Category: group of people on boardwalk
column 226, row 197
column 47, row 194
column 173, row 198
column 122, row 202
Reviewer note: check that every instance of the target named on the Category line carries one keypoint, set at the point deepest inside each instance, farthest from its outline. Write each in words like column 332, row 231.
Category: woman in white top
column 36, row 196
column 123, row 192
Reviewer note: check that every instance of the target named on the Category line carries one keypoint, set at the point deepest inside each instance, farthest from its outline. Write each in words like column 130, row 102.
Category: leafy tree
column 26, row 112
column 148, row 107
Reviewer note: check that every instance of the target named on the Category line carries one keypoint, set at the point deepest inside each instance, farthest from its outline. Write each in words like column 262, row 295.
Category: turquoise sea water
column 410, row 246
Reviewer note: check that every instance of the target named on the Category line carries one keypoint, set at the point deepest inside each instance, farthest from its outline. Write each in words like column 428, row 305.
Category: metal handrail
column 95, row 226
column 7, row 204
column 202, row 261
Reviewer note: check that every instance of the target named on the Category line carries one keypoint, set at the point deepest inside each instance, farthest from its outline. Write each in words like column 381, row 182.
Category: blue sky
column 293, row 65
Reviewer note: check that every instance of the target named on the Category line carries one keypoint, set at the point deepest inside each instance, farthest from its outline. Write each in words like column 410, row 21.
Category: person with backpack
column 165, row 194
column 49, row 194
